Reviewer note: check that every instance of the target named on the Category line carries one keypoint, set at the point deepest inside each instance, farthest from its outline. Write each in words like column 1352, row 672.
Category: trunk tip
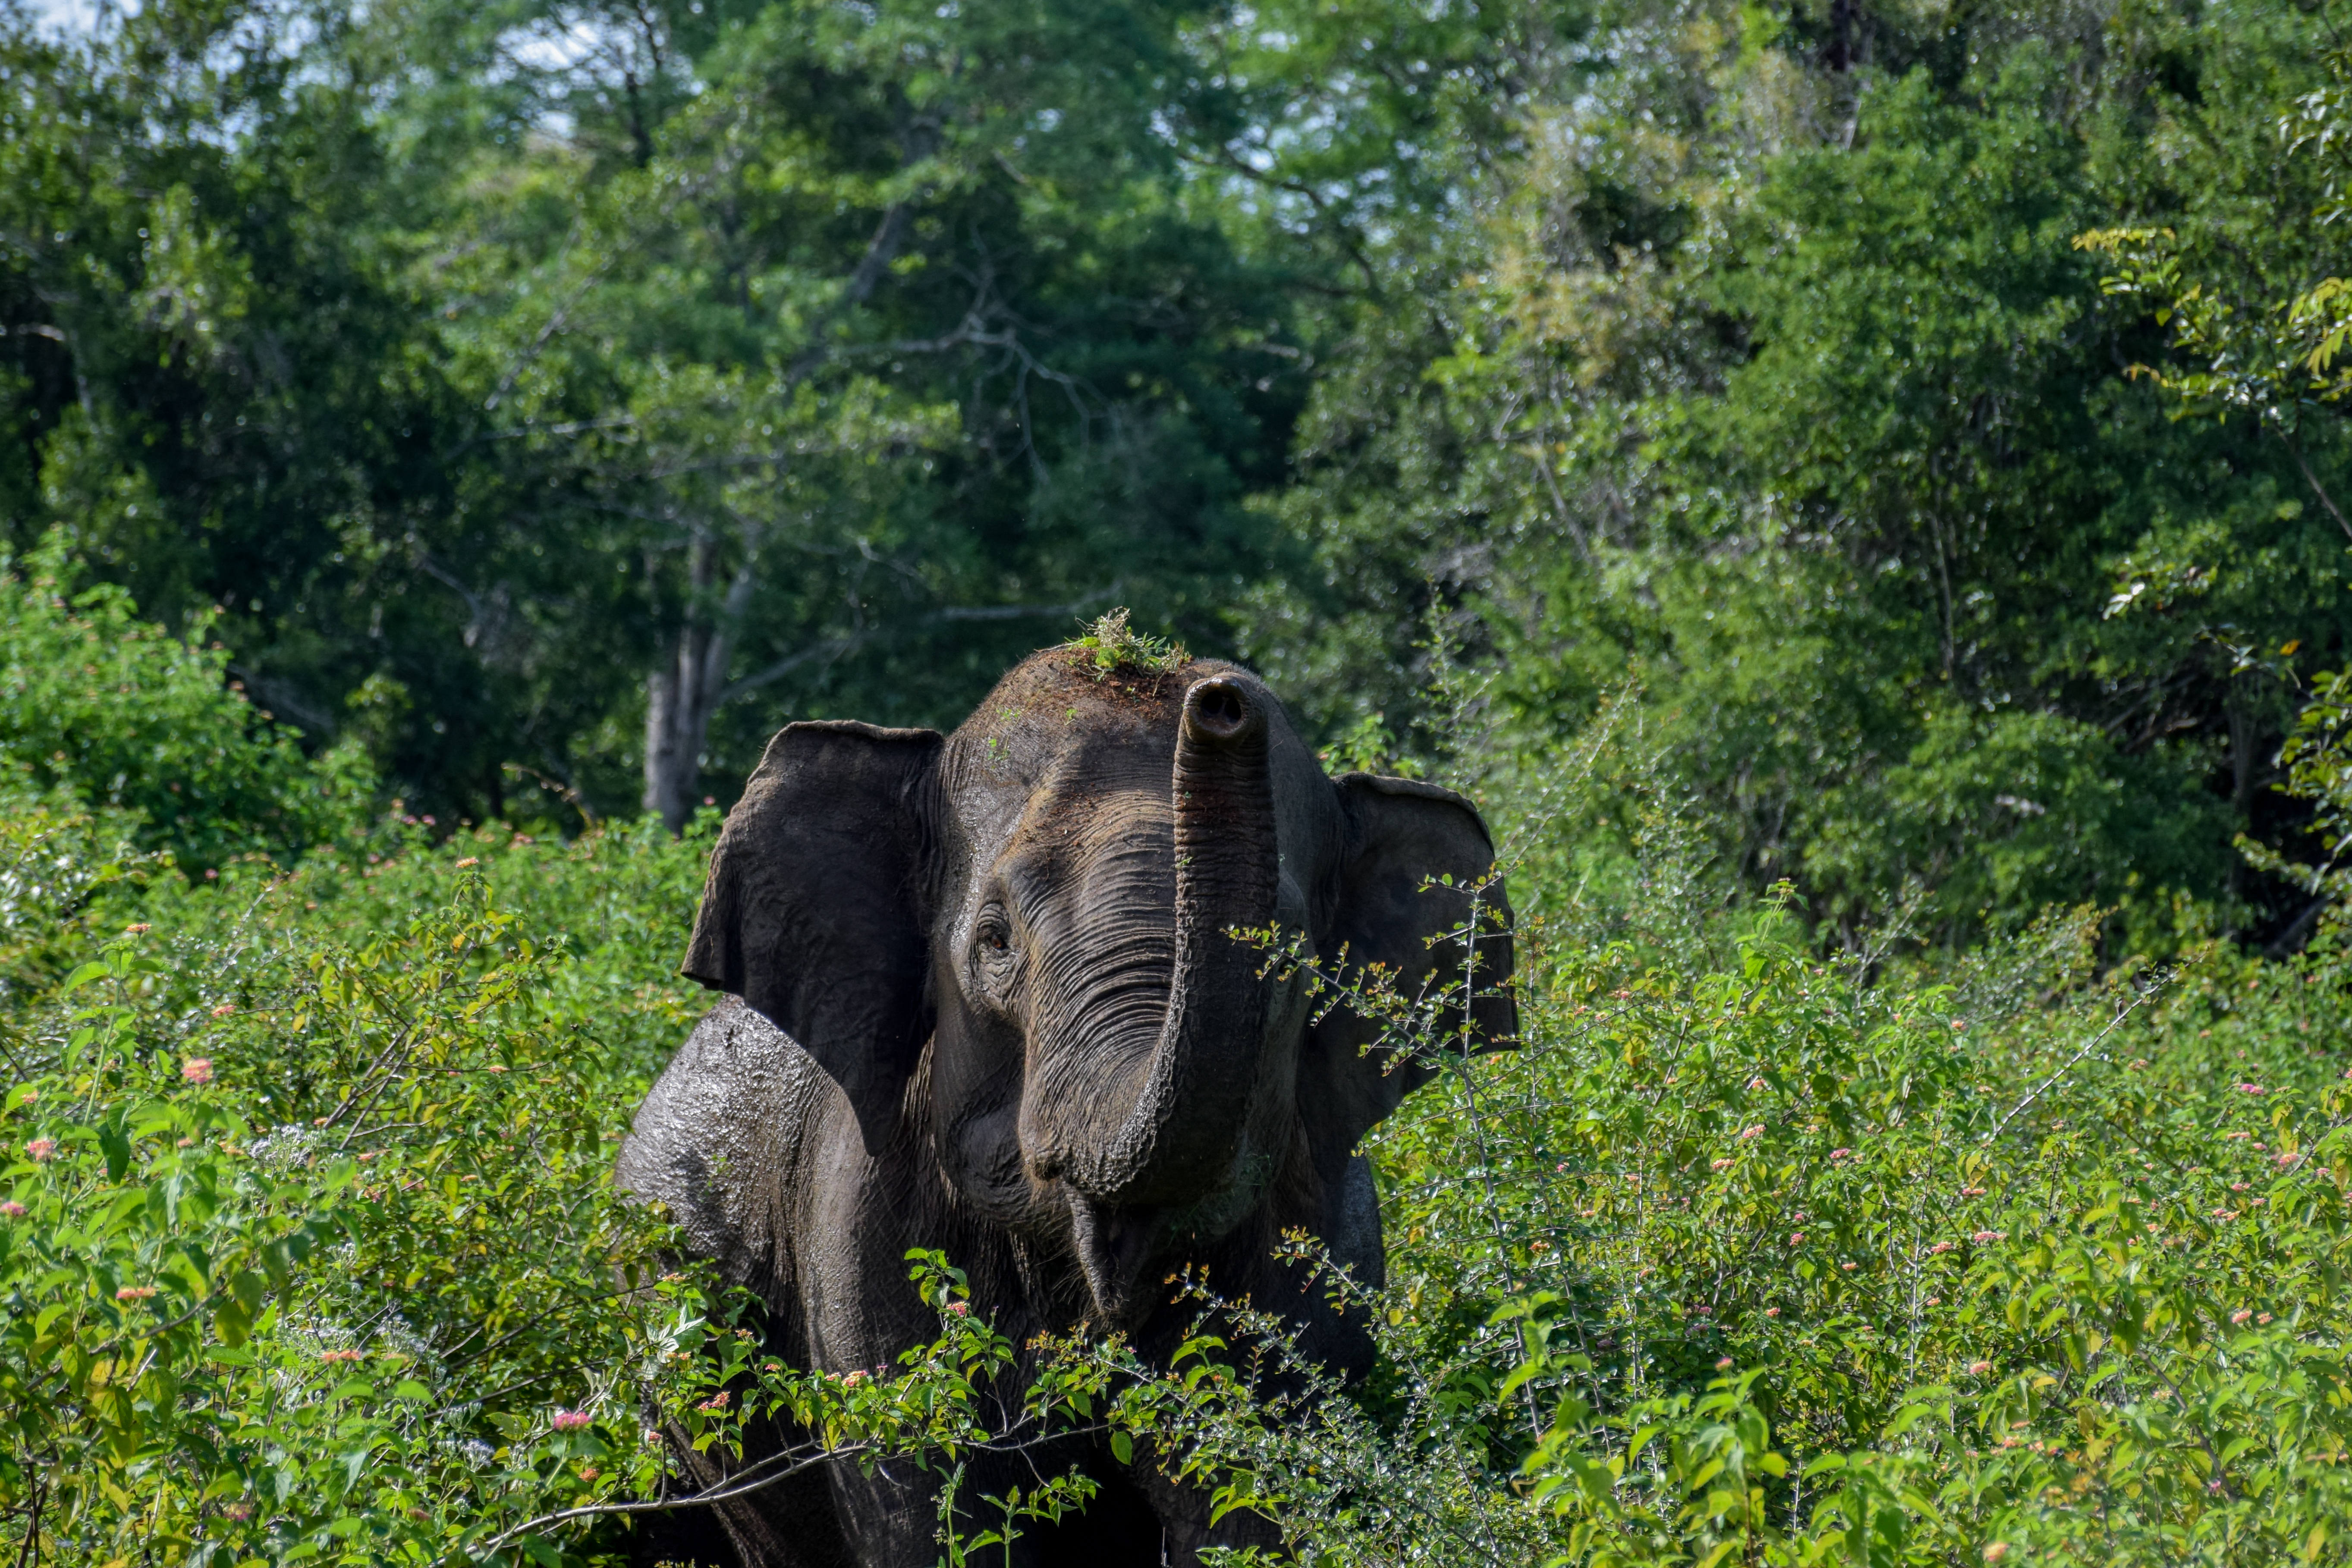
column 1218, row 711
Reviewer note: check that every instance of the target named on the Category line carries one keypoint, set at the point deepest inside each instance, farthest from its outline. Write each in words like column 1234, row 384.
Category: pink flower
column 1755, row 1131
column 716, row 1403
column 239, row 1511
column 1840, row 1154
column 1771, row 1311
column 1979, row 1368
column 135, row 929
column 1723, row 1365
column 469, row 860
column 1984, row 1235
column 1796, row 1238
column 1718, row 1164
column 198, row 1069
column 2241, row 1314
column 2286, row 1159
column 2250, row 1088
column 42, row 1149
column 851, row 1380
column 589, row 1472
column 134, row 1292
column 2262, row 1317
column 13, row 1210
column 572, row 1420
column 1941, row 1246
column 1847, row 1266
column 958, row 1309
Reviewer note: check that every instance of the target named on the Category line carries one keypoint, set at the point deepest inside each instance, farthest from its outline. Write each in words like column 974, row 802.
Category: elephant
column 987, row 994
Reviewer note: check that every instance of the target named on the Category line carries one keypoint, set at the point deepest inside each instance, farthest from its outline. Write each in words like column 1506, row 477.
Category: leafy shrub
column 117, row 714
column 311, row 1246
column 1774, row 1265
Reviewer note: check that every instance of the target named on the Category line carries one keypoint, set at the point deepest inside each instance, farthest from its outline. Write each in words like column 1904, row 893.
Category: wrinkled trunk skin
column 1180, row 1157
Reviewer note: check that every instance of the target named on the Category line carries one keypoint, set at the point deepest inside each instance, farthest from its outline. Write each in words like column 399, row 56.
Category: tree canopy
column 549, row 401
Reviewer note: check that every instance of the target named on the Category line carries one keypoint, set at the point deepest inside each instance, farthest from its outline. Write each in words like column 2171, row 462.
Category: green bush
column 117, row 714
column 310, row 1243
column 1772, row 1265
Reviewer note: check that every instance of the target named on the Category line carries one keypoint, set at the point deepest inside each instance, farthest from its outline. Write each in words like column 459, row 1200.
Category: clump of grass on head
column 1111, row 645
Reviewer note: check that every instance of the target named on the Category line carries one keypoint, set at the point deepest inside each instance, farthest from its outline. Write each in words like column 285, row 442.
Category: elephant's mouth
column 1116, row 1247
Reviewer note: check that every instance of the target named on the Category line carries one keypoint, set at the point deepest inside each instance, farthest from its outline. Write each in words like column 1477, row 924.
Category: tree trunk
column 684, row 693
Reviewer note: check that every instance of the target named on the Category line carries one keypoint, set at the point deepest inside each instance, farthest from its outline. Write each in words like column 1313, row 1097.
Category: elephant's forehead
column 1077, row 832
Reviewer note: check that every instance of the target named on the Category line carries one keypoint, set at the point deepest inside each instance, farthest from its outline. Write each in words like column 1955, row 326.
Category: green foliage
column 1771, row 1265
column 108, row 710
column 312, row 1249
column 761, row 361
column 1778, row 403
column 1110, row 645
column 59, row 866
column 548, row 401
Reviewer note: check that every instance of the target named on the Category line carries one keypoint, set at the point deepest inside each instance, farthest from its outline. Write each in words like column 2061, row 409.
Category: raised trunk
column 1189, row 1105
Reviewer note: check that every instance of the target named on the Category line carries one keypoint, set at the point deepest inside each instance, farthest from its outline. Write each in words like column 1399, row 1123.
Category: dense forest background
column 539, row 403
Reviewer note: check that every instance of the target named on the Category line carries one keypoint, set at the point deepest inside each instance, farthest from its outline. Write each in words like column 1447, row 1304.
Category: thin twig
column 2088, row 1046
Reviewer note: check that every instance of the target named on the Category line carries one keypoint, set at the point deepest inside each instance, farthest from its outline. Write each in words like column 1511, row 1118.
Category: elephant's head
column 1046, row 897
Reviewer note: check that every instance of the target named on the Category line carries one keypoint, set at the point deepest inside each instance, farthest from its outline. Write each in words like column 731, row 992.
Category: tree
column 1769, row 387
column 668, row 357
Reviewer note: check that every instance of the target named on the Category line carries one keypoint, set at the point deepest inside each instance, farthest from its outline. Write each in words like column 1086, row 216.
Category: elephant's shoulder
column 715, row 1140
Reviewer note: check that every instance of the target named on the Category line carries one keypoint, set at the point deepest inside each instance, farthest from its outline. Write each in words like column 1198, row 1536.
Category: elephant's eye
column 992, row 939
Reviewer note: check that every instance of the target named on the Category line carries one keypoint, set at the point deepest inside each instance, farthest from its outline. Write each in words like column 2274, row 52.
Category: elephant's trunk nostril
column 1220, row 712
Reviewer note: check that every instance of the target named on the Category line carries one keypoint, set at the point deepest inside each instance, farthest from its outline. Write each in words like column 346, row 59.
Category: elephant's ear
column 815, row 910
column 1411, row 858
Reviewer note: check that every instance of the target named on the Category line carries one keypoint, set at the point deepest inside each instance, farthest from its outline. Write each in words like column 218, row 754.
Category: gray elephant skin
column 983, row 996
